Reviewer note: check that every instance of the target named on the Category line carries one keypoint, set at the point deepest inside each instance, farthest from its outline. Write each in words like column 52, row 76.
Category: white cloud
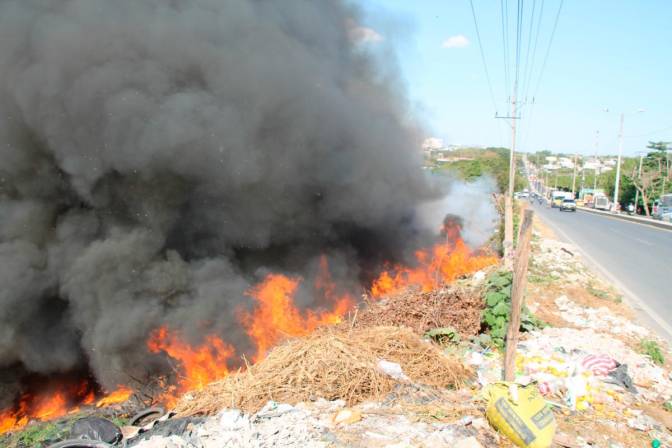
column 363, row 34
column 457, row 41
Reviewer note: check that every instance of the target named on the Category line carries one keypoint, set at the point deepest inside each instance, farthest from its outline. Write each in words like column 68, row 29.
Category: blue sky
column 614, row 54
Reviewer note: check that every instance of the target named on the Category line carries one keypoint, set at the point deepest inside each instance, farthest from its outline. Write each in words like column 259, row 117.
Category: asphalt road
column 635, row 257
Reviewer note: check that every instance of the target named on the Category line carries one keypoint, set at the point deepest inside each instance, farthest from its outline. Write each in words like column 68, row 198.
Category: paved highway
column 636, row 258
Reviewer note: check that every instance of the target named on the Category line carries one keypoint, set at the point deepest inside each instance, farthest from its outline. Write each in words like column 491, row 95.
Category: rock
column 469, row 442
column 164, row 442
column 642, row 423
column 232, row 420
column 480, row 423
column 392, row 369
column 129, row 432
column 566, row 441
column 346, row 417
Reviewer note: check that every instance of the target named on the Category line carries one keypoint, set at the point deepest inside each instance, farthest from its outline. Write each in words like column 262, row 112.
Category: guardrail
column 637, row 219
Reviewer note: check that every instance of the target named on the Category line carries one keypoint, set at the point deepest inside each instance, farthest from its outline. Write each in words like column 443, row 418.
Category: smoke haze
column 158, row 157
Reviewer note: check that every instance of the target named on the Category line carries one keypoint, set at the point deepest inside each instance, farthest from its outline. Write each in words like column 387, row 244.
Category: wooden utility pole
column 517, row 292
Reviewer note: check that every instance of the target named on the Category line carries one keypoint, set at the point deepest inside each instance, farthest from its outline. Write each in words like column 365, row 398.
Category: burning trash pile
column 176, row 204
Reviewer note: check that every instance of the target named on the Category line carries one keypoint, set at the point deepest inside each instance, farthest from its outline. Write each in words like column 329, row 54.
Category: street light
column 618, row 162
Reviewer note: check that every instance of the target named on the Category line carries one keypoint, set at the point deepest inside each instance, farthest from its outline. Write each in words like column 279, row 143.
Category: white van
column 664, row 210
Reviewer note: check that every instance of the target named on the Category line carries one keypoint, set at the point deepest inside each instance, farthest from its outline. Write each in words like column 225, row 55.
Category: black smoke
column 157, row 157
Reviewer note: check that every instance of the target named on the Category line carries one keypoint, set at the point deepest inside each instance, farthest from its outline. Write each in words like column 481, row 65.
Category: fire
column 120, row 395
column 276, row 316
column 273, row 317
column 50, row 407
column 440, row 264
column 53, row 401
column 13, row 420
column 198, row 365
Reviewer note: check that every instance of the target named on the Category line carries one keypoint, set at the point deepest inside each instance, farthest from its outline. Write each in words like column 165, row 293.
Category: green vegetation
column 443, row 335
column 651, row 349
column 602, row 294
column 472, row 163
column 542, row 278
column 36, row 434
column 654, row 180
column 597, row 292
column 498, row 306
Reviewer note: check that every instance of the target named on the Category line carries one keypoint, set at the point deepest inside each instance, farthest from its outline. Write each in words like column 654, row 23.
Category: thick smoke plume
column 158, row 157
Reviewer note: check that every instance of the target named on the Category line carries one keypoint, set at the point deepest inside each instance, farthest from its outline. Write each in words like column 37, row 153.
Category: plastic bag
column 521, row 414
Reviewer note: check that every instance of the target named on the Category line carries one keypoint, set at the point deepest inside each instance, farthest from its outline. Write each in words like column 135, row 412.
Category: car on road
column 601, row 203
column 568, row 205
column 664, row 209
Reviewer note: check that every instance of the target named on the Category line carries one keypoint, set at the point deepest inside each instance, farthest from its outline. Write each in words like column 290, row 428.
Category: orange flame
column 438, row 265
column 56, row 400
column 273, row 318
column 12, row 420
column 198, row 365
column 120, row 395
column 276, row 317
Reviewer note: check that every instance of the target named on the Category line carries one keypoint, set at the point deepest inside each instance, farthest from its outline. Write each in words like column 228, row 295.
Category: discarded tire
column 80, row 443
column 146, row 413
column 97, row 429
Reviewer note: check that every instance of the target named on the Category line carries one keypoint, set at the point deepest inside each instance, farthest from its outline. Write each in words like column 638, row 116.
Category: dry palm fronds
column 456, row 307
column 331, row 364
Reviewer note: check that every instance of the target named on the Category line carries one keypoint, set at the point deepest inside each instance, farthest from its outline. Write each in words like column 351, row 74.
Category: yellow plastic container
column 521, row 414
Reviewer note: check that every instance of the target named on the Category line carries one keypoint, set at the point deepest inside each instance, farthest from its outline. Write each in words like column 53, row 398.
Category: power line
column 543, row 66
column 548, row 50
column 504, row 9
column 529, row 75
column 529, row 40
column 519, row 31
column 649, row 133
column 485, row 65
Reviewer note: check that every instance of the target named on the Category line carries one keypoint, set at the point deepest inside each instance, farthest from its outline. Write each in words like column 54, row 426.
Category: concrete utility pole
column 667, row 169
column 596, row 170
column 574, row 177
column 512, row 159
column 639, row 176
column 508, row 200
column 618, row 163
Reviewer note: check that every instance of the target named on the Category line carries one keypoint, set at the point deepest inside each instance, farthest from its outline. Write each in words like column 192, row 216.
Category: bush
column 498, row 307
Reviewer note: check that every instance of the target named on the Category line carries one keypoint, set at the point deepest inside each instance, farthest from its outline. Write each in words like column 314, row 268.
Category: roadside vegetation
column 472, row 163
column 654, row 180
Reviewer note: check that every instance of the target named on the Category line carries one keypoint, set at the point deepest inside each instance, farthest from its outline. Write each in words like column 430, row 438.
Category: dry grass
column 457, row 307
column 331, row 364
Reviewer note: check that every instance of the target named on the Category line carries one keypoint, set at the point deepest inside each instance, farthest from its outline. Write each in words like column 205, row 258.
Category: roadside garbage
column 138, row 418
column 443, row 335
column 600, row 365
column 521, row 414
column 392, row 369
column 346, row 417
column 80, row 443
column 620, row 376
column 94, row 428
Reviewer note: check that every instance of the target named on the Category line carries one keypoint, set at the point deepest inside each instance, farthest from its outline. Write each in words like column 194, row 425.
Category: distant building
column 432, row 144
column 592, row 165
column 565, row 162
